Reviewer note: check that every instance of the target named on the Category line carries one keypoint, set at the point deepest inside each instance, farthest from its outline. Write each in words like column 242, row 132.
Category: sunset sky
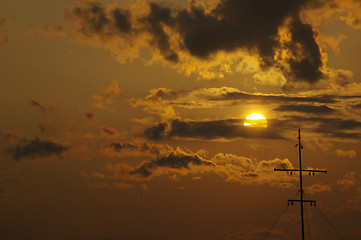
column 124, row 119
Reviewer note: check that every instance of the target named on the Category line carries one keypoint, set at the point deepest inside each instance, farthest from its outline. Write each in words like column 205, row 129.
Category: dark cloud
column 174, row 160
column 37, row 105
column 229, row 26
column 157, row 94
column 305, row 109
column 272, row 98
column 95, row 20
column 235, row 24
column 108, row 130
column 253, row 25
column 307, row 61
column 332, row 127
column 44, row 108
column 357, row 106
column 156, row 132
column 207, row 130
column 338, row 134
column 124, row 148
column 228, row 129
column 154, row 22
column 333, row 123
column 89, row 115
column 122, row 20
column 36, row 148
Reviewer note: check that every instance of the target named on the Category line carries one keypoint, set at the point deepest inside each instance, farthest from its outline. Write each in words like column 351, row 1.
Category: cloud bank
column 177, row 162
column 212, row 39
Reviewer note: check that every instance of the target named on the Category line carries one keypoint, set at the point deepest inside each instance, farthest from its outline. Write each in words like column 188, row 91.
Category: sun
column 255, row 120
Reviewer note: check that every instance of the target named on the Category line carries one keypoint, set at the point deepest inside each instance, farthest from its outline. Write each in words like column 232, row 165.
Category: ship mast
column 301, row 200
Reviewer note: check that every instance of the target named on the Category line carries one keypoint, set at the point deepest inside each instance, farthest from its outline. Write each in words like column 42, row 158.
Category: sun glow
column 255, row 120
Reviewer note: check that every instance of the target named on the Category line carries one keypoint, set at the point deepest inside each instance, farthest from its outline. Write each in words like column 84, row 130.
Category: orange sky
column 124, row 119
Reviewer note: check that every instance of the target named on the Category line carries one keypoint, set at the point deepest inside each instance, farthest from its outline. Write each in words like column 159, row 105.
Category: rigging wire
column 332, row 226
column 328, row 221
column 278, row 218
column 308, row 223
column 274, row 224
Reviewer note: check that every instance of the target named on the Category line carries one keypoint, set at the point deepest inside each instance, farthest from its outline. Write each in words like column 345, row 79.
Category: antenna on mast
column 301, row 200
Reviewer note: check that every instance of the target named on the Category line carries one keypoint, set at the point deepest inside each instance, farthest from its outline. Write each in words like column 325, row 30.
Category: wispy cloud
column 350, row 179
column 108, row 94
column 44, row 108
column 345, row 153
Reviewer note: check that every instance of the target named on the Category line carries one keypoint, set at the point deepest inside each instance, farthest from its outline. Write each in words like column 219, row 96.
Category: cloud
column 36, row 148
column 167, row 103
column 208, row 39
column 176, row 159
column 322, row 143
column 109, row 132
column 353, row 8
column 109, row 93
column 44, row 108
column 350, row 179
column 333, row 42
column 123, row 148
column 316, row 188
column 155, row 132
column 345, row 153
column 357, row 106
column 323, row 105
column 89, row 115
column 355, row 202
column 229, row 128
column 93, row 19
column 154, row 22
column 323, row 109
column 204, row 97
column 176, row 162
column 37, row 105
column 209, row 130
column 238, row 95
column 306, row 61
column 332, row 127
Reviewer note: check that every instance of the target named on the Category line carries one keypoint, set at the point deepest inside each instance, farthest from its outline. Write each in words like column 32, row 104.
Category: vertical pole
column 301, row 189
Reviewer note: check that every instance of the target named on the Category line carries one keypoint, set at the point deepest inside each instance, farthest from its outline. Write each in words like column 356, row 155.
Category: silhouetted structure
column 301, row 200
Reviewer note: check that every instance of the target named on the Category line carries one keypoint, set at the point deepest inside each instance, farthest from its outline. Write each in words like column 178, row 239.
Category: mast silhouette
column 301, row 200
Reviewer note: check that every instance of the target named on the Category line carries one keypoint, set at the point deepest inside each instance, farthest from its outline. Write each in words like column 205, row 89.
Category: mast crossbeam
column 291, row 170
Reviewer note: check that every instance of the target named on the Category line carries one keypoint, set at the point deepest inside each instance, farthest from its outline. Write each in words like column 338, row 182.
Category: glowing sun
column 255, row 120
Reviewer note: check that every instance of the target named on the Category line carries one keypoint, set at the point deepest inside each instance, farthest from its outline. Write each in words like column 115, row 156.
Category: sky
column 124, row 119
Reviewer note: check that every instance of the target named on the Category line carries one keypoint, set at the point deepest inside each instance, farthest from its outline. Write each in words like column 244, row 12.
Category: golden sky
column 124, row 119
